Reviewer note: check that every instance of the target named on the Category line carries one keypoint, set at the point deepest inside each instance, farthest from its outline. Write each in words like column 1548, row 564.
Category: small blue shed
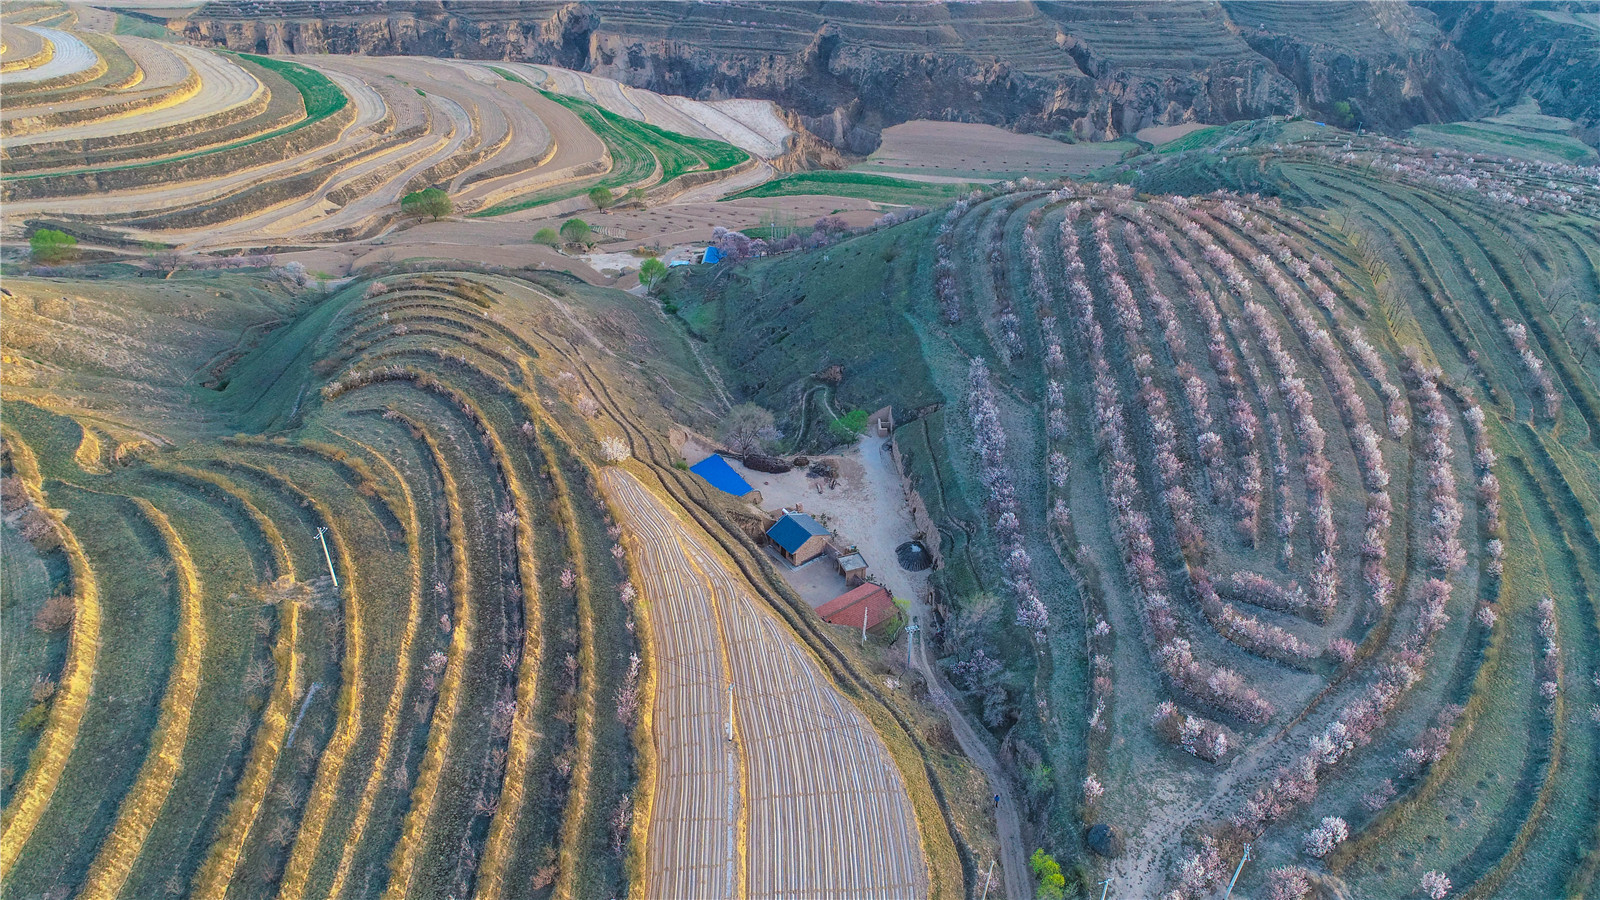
column 713, row 255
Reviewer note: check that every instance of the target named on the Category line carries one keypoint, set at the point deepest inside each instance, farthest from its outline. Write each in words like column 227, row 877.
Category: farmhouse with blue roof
column 798, row 537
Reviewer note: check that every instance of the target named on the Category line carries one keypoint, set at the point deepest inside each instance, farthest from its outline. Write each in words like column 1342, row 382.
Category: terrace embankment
column 399, row 633
column 1096, row 69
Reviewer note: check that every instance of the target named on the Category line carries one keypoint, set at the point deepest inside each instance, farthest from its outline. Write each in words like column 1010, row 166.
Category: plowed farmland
column 334, row 598
column 152, row 141
column 802, row 799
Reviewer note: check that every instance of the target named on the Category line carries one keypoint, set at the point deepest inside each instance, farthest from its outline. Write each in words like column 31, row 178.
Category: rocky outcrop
column 1404, row 73
column 1098, row 70
column 1524, row 50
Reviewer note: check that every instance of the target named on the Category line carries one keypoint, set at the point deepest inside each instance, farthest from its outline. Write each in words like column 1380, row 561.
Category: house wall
column 811, row 549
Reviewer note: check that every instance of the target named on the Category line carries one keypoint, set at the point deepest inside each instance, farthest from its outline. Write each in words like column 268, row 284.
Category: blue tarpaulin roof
column 713, row 255
column 794, row 529
column 716, row 470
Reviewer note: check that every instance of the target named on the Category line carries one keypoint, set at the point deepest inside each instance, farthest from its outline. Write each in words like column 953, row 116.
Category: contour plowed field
column 205, row 150
column 804, row 801
column 69, row 55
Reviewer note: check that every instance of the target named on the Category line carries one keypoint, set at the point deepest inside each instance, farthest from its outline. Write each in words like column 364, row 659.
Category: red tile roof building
column 847, row 608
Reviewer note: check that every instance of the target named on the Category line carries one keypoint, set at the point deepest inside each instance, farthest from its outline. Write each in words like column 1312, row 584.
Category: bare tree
column 748, row 429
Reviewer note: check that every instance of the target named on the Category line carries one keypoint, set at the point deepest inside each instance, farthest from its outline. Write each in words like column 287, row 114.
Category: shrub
column 1052, row 884
column 1321, row 840
column 1288, row 883
column 615, row 449
column 547, row 236
column 56, row 613
column 1092, row 789
column 849, row 426
column 50, row 246
column 577, row 231
column 44, row 687
column 34, row 718
column 427, row 202
column 1436, row 885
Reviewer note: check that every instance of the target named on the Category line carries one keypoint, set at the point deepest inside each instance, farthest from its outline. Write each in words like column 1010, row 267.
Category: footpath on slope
column 883, row 477
column 1008, row 822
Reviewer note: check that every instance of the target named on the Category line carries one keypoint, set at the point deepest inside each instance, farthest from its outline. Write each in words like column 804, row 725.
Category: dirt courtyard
column 867, row 508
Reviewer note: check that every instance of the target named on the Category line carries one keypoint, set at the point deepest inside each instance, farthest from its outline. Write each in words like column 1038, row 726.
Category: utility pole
column 986, row 879
column 1242, row 860
column 321, row 532
column 1104, row 886
column 863, row 624
column 730, row 710
column 911, row 642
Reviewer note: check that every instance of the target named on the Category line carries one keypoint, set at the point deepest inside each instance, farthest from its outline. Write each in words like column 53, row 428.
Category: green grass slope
column 862, row 185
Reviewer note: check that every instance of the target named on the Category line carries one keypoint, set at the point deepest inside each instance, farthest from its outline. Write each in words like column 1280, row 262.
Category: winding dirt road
column 1008, row 822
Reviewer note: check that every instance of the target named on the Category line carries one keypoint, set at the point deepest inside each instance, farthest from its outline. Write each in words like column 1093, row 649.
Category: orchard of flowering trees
column 989, row 443
column 1272, row 473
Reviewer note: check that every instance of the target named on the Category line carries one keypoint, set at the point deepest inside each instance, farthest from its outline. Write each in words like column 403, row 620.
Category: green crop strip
column 637, row 149
column 1194, row 140
column 321, row 97
column 1487, row 136
column 880, row 188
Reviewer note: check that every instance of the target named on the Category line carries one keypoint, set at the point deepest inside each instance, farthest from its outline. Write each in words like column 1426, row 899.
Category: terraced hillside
column 1266, row 487
column 1099, row 70
column 147, row 140
column 333, row 597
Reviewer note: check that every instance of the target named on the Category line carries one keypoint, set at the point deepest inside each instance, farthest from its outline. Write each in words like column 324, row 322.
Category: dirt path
column 1008, row 821
column 888, row 492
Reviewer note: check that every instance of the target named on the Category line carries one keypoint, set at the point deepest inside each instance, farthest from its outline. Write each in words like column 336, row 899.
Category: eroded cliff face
column 1099, row 70
column 1545, row 52
column 1389, row 61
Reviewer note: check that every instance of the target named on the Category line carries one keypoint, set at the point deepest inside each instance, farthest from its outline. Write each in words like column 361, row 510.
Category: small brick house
column 798, row 537
column 864, row 606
